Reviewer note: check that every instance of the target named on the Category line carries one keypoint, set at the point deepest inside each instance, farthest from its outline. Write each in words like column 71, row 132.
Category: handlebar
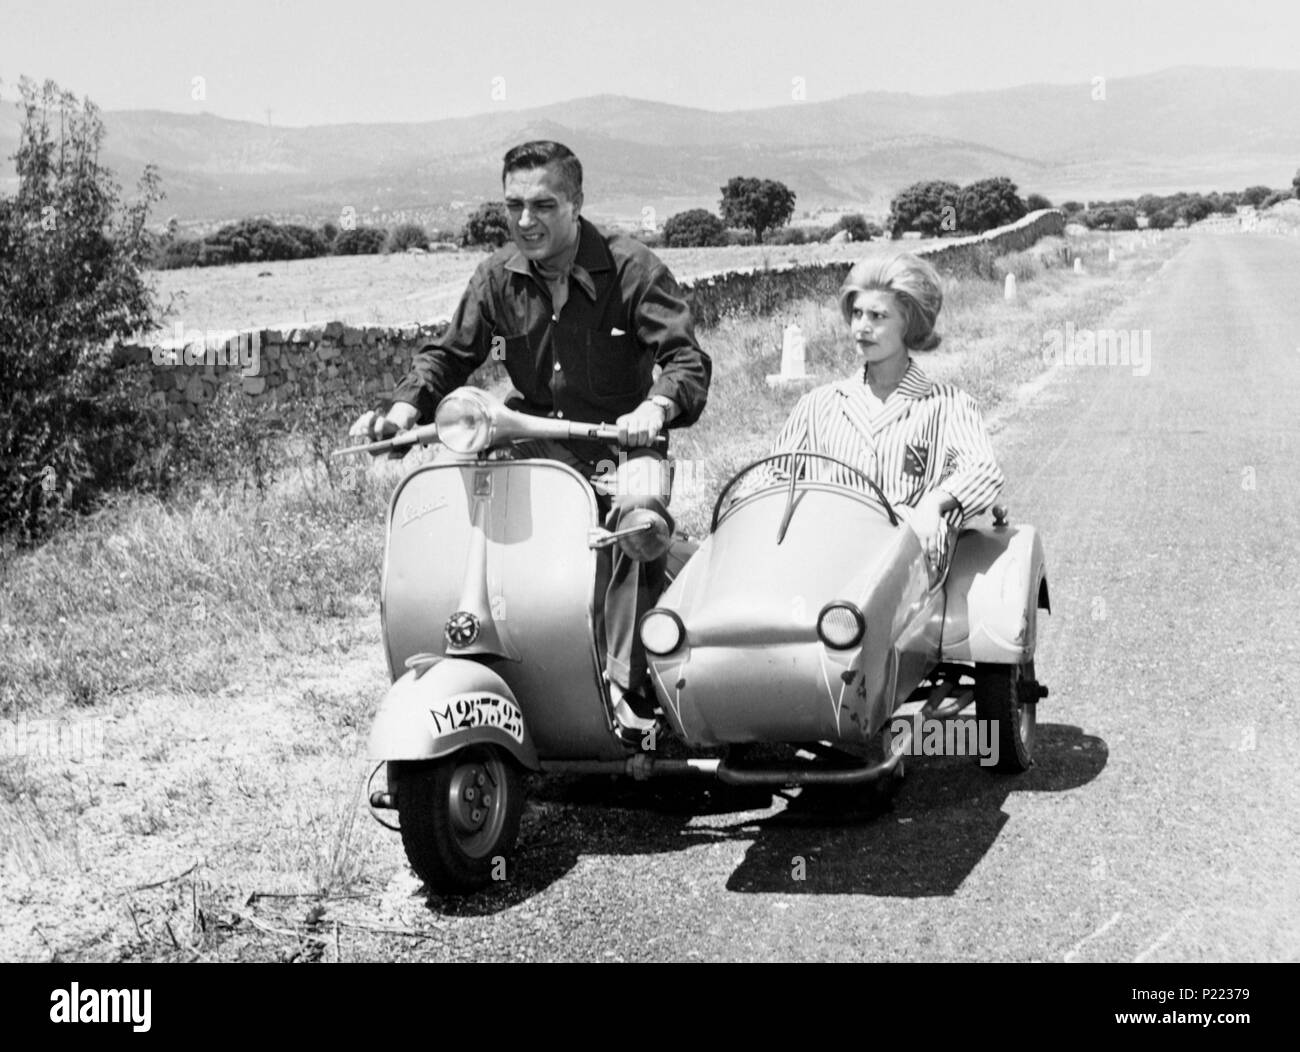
column 539, row 427
column 423, row 435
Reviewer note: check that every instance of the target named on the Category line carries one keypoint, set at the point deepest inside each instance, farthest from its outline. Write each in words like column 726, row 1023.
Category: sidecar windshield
column 794, row 471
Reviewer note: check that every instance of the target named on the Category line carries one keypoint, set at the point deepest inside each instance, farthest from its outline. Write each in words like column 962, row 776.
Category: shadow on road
column 922, row 839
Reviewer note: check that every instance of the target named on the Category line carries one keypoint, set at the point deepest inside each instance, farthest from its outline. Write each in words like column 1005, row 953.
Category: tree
column 1225, row 203
column 989, row 203
column 929, row 207
column 487, row 225
column 1037, row 202
column 756, row 204
column 1161, row 220
column 407, row 235
column 1254, row 195
column 1070, row 207
column 697, row 228
column 1149, row 204
column 71, row 257
column 1295, row 182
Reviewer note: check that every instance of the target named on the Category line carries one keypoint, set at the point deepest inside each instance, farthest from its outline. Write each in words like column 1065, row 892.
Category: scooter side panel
column 539, row 577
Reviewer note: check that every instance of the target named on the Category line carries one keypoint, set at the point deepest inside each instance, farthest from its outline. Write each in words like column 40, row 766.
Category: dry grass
column 399, row 289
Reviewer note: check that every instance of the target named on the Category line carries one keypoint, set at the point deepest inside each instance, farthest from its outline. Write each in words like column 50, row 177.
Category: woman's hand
column 929, row 525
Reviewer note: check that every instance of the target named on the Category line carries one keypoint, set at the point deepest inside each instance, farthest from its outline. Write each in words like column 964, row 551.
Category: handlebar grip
column 610, row 433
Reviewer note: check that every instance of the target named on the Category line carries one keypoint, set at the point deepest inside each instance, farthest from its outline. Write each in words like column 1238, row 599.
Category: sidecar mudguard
column 435, row 709
column 995, row 587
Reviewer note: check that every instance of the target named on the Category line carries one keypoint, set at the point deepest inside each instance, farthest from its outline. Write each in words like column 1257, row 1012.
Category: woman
column 923, row 443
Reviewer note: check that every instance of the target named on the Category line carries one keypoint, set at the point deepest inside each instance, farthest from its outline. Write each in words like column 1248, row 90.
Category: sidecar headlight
column 464, row 422
column 841, row 625
column 662, row 631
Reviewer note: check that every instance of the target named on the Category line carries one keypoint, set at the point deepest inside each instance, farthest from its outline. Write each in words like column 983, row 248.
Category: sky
column 336, row 61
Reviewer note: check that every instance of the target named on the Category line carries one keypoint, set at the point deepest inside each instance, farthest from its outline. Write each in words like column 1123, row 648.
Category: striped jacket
column 927, row 435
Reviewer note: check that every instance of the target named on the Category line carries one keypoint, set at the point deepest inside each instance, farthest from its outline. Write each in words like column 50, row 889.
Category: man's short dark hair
column 541, row 153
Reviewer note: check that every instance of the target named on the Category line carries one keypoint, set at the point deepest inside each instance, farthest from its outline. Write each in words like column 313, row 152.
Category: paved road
column 1162, row 819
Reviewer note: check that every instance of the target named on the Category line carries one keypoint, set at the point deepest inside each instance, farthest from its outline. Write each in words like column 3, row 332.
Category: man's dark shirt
column 625, row 314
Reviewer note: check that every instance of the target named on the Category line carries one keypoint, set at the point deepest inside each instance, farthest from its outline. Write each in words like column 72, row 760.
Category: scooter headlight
column 841, row 625
column 662, row 631
column 464, row 422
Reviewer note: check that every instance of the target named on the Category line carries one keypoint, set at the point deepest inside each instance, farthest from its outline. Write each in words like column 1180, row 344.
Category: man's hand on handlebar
column 372, row 426
column 642, row 426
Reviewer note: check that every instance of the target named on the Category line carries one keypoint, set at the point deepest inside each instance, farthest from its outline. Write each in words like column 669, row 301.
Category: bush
column 857, row 226
column 1125, row 219
column 1225, row 204
column 360, row 241
column 311, row 243
column 407, row 235
column 1195, row 208
column 261, row 240
column 788, row 235
column 1276, row 197
column 1070, row 207
column 1037, row 202
column 486, row 226
column 740, row 237
column 1161, row 220
column 697, row 228
column 214, row 255
column 183, row 252
column 71, row 255
column 1255, row 195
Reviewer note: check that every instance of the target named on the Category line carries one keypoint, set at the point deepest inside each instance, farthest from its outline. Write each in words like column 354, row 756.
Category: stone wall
column 360, row 367
column 764, row 291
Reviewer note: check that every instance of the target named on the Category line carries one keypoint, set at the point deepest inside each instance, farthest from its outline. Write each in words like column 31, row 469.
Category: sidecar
column 811, row 615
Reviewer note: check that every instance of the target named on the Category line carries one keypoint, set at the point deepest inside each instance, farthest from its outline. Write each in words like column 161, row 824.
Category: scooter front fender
column 436, row 709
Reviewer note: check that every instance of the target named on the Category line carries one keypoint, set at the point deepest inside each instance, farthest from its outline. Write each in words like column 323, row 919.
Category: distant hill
column 1187, row 128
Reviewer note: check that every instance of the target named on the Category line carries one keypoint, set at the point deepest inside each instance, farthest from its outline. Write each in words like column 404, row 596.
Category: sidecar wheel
column 1001, row 695
column 460, row 817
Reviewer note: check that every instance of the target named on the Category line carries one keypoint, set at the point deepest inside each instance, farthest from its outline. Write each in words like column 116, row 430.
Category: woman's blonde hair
column 914, row 284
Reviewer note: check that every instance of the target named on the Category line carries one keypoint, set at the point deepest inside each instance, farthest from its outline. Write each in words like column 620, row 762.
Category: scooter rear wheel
column 460, row 816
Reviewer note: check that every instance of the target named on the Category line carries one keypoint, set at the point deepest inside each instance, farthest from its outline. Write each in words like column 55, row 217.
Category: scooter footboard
column 434, row 710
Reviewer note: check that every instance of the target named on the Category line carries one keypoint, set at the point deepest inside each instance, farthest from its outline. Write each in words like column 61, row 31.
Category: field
column 402, row 288
column 224, row 650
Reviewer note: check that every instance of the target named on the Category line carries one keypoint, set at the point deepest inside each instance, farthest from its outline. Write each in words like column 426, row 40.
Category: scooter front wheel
column 460, row 816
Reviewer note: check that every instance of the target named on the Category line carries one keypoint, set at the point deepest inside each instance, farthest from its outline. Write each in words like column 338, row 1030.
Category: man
column 581, row 319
